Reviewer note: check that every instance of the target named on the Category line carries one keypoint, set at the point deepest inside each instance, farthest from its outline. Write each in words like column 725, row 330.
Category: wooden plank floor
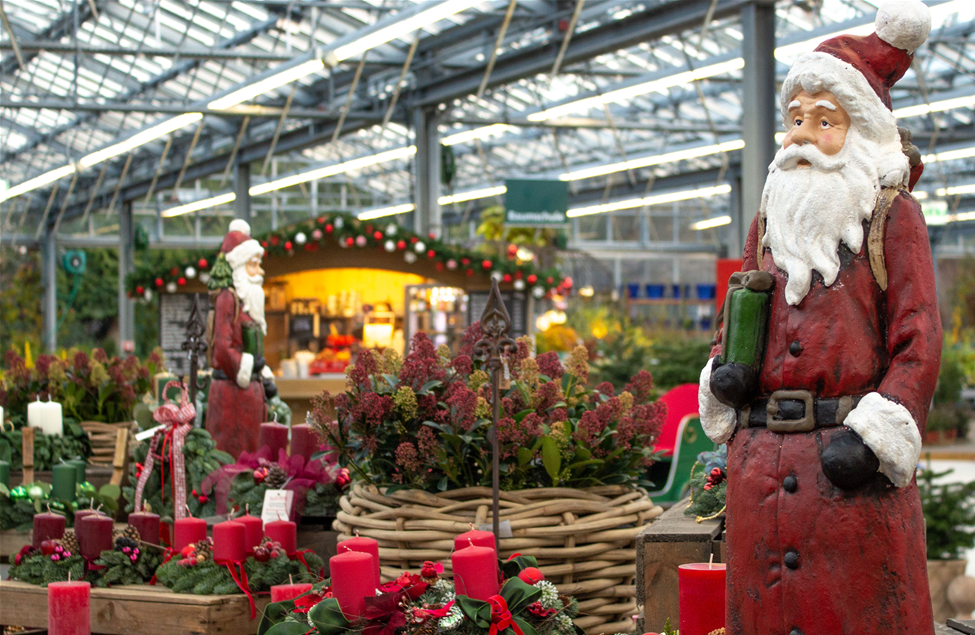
column 138, row 610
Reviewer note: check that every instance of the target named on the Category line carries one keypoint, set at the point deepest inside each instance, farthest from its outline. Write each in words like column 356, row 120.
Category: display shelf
column 666, row 301
column 291, row 388
column 142, row 609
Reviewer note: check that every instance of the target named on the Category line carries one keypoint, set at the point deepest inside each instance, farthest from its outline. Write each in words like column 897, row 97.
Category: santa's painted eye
column 798, row 122
column 825, row 124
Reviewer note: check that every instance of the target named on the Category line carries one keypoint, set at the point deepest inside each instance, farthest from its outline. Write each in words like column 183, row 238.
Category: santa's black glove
column 259, row 363
column 847, row 461
column 733, row 384
column 270, row 389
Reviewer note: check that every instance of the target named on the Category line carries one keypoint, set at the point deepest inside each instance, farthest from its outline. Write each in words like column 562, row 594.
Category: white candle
column 52, row 424
column 34, row 410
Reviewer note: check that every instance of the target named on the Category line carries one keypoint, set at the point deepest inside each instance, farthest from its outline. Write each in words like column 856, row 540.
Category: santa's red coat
column 861, row 554
column 234, row 415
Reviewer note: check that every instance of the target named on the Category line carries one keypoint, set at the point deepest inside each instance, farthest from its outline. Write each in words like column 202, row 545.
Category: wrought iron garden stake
column 195, row 345
column 492, row 347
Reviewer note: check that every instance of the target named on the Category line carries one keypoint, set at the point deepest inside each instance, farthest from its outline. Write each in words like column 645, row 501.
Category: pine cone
column 203, row 549
column 129, row 532
column 276, row 477
column 70, row 542
column 427, row 628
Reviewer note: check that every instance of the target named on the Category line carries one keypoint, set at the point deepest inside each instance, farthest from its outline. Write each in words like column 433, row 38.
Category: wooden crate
column 142, row 610
column 673, row 539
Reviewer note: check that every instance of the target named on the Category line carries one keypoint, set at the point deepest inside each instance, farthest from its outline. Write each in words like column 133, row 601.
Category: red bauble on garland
column 159, row 282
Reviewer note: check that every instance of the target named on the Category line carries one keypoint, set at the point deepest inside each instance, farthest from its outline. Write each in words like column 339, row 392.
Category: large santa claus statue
column 825, row 532
column 236, row 327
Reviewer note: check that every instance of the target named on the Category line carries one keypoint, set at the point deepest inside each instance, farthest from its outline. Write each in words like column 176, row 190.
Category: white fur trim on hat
column 904, row 24
column 245, row 370
column 239, row 255
column 717, row 419
column 891, row 432
column 817, row 72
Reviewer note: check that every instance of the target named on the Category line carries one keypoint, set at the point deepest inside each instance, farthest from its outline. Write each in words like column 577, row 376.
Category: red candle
column 275, row 436
column 253, row 530
column 363, row 545
column 284, row 532
column 69, row 608
column 352, row 581
column 47, row 526
column 94, row 533
column 188, row 531
column 228, row 542
column 475, row 572
column 476, row 536
column 81, row 513
column 702, row 597
column 147, row 524
column 304, row 441
column 282, row 592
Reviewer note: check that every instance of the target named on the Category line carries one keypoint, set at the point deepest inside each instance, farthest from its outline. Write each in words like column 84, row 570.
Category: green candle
column 5, row 473
column 64, row 480
column 79, row 467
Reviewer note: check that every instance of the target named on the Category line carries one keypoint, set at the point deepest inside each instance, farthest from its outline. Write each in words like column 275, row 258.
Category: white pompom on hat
column 904, row 24
column 240, row 225
column 238, row 248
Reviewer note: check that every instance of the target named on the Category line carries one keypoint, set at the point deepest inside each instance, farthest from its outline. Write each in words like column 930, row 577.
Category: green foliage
column 15, row 514
column 209, row 578
column 48, row 450
column 951, row 377
column 679, row 359
column 201, row 457
column 221, row 275
column 119, row 568
column 20, row 299
column 949, row 514
column 37, row 568
column 423, row 423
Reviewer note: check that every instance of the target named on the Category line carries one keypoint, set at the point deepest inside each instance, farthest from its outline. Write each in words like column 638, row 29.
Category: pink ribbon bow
column 178, row 421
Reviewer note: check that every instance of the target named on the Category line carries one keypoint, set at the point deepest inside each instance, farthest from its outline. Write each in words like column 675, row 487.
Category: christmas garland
column 48, row 450
column 347, row 231
column 18, row 505
column 195, row 571
column 201, row 457
column 708, row 485
column 129, row 562
column 425, row 604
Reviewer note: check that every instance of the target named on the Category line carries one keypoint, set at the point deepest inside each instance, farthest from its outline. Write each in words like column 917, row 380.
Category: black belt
column 796, row 411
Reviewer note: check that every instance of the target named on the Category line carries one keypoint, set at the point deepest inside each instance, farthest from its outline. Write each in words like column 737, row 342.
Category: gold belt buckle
column 806, row 424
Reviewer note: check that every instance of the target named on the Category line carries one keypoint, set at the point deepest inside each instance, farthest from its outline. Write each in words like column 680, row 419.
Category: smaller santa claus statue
column 242, row 383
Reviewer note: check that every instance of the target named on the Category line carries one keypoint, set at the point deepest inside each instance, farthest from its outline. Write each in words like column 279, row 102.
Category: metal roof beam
column 177, row 109
column 66, row 48
column 62, row 26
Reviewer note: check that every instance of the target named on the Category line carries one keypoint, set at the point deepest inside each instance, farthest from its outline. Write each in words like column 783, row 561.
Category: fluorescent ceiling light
column 920, row 195
column 423, row 18
column 629, row 92
column 938, row 106
column 36, row 182
column 196, row 206
column 476, row 133
column 460, row 197
column 267, row 85
column 659, row 199
column 711, row 223
column 955, row 191
column 949, row 155
column 790, row 50
column 949, row 218
column 332, row 170
column 670, row 157
column 386, row 211
column 141, row 138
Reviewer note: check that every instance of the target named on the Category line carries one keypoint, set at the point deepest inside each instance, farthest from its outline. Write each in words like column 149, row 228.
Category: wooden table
column 671, row 540
column 138, row 610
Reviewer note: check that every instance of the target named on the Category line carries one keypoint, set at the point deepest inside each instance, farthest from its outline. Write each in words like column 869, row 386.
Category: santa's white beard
column 809, row 210
column 250, row 290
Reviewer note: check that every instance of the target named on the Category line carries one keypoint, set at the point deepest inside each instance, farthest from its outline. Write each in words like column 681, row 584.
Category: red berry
column 174, row 271
column 550, row 280
column 203, row 499
column 159, row 282
column 486, row 263
column 181, row 281
column 401, row 245
column 329, row 228
column 275, row 240
column 507, row 277
column 519, row 275
column 532, row 279
column 321, row 220
column 288, row 245
column 378, row 235
column 414, row 240
column 202, row 263
column 139, row 290
column 431, row 254
column 264, row 244
column 470, row 272
column 530, row 575
column 194, row 493
column 465, row 261
column 350, row 241
column 47, row 547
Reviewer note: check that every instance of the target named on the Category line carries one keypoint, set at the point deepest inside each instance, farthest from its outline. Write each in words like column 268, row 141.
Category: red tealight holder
column 701, row 587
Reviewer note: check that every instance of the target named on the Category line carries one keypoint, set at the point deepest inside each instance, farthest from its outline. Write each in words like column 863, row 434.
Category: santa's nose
column 802, row 134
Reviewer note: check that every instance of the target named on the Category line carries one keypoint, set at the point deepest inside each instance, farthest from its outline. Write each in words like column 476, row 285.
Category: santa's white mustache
column 788, row 158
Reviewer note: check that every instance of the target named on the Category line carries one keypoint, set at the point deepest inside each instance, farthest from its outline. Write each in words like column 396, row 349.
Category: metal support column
column 126, row 264
column 426, row 170
column 761, row 112
column 49, row 275
column 242, row 186
column 740, row 222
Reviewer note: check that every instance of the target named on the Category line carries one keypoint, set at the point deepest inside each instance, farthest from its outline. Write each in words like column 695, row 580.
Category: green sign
column 535, row 203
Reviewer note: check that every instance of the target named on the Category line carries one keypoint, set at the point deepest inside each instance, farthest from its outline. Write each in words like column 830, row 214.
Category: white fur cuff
column 267, row 373
column 717, row 419
column 891, row 432
column 245, row 370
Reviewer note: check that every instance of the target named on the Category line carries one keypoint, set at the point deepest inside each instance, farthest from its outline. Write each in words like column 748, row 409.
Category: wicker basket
column 103, row 438
column 584, row 540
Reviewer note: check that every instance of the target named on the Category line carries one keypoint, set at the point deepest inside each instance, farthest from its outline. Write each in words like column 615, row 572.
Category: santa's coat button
column 789, row 484
column 795, row 348
column 795, row 631
column 792, row 559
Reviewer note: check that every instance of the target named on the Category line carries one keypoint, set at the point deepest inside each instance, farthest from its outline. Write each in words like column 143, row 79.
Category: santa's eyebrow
column 794, row 104
column 822, row 103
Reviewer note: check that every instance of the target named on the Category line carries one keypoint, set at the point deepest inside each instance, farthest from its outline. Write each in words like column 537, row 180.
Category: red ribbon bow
column 240, row 580
column 178, row 421
column 501, row 617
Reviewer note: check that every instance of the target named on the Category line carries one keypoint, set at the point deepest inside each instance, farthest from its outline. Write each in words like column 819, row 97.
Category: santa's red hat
column 860, row 70
column 238, row 247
